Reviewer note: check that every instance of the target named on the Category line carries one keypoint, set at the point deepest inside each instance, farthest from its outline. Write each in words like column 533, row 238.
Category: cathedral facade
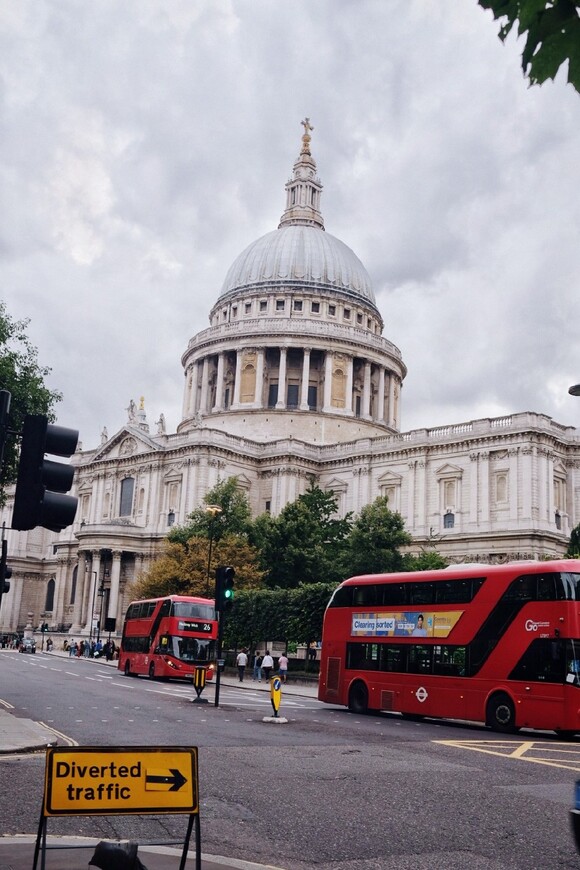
column 293, row 380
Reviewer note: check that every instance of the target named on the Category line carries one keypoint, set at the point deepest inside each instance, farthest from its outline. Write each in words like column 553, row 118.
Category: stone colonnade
column 311, row 379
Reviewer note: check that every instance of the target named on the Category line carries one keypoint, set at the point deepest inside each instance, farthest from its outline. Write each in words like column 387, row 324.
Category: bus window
column 449, row 661
column 419, row 659
column 571, row 584
column 362, row 656
column 521, row 589
column 543, row 661
column 392, row 658
column 365, row 596
column 394, row 594
column 421, row 593
column 341, row 597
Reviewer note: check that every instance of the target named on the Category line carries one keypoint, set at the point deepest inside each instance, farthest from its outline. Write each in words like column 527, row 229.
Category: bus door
column 540, row 685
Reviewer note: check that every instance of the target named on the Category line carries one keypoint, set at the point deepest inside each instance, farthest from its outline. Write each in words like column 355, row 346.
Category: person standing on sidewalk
column 283, row 666
column 267, row 664
column 241, row 661
column 257, row 666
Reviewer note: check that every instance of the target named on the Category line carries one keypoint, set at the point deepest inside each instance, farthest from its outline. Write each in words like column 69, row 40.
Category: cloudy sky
column 145, row 143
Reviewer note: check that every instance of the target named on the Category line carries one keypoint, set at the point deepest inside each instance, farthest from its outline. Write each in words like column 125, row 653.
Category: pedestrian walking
column 267, row 664
column 283, row 666
column 257, row 666
column 241, row 661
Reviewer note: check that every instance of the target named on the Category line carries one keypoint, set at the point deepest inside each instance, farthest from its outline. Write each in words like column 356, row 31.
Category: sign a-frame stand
column 113, row 780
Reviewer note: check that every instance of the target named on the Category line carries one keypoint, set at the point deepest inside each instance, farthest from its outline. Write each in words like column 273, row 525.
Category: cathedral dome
column 303, row 255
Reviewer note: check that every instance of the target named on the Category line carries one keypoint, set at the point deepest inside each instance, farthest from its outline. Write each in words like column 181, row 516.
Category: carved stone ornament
column 128, row 446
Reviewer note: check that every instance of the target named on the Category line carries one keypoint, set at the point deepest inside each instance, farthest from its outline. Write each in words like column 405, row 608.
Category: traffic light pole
column 5, row 398
column 3, row 559
column 220, row 638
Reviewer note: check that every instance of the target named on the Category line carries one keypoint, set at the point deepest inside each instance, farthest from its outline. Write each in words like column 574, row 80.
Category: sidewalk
column 18, row 735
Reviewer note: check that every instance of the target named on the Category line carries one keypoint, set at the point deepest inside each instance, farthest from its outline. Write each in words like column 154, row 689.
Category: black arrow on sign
column 176, row 780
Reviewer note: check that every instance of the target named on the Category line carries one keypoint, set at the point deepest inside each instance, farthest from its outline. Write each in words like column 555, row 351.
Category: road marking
column 533, row 751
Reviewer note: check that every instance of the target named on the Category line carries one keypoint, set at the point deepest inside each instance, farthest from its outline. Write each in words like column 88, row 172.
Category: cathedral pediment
column 449, row 470
column 129, row 441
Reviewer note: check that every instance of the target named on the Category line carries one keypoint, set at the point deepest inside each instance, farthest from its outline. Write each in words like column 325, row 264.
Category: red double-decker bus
column 494, row 644
column 169, row 638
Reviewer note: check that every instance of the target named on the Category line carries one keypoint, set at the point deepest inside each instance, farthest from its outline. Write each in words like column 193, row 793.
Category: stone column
column 62, row 566
column 305, row 379
column 349, row 383
column 193, row 391
column 204, row 386
column 81, row 589
column 484, row 490
column 473, row 487
column 381, row 397
column 366, row 397
column 219, row 386
column 259, row 391
column 281, row 403
column 115, row 578
column 237, row 382
column 392, row 409
column 326, row 407
column 92, row 597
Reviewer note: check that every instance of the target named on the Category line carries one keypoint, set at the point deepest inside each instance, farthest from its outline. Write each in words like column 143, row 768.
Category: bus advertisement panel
column 169, row 638
column 498, row 644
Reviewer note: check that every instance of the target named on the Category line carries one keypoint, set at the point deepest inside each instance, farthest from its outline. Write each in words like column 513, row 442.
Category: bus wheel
column 501, row 715
column 358, row 698
column 128, row 668
column 152, row 671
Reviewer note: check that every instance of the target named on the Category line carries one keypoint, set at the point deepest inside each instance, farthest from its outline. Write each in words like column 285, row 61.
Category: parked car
column 27, row 645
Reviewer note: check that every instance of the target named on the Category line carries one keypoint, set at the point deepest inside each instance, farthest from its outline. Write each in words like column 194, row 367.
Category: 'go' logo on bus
column 532, row 625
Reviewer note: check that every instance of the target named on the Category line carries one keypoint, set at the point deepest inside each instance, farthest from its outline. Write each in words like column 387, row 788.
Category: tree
column 426, row 560
column 553, row 35
column 23, row 377
column 182, row 568
column 573, row 551
column 374, row 541
column 304, row 544
column 233, row 519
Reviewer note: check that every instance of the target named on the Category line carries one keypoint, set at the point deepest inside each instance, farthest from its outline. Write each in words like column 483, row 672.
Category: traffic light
column 224, row 587
column 39, row 499
column 5, row 574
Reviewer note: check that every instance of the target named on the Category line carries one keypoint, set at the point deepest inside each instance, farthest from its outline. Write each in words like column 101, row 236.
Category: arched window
column 126, row 506
column 49, row 602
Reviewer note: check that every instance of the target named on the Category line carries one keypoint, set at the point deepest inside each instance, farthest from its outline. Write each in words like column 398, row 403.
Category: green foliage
column 182, row 569
column 426, row 560
column 573, row 551
column 234, row 519
column 374, row 541
column 304, row 544
column 292, row 615
column 552, row 29
column 23, row 377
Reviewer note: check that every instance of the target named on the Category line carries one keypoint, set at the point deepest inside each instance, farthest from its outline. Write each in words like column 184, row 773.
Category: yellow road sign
column 111, row 780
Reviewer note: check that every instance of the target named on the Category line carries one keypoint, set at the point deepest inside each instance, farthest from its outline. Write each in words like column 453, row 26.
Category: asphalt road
column 327, row 789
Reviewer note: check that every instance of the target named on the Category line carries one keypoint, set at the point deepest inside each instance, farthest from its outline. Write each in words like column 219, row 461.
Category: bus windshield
column 190, row 649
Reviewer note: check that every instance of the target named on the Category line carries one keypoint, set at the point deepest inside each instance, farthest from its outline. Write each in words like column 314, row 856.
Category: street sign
column 112, row 780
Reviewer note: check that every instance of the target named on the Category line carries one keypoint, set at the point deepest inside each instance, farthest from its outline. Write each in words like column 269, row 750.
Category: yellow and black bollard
column 199, row 685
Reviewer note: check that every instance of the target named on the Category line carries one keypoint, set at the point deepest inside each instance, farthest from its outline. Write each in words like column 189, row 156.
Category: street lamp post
column 214, row 510
column 101, row 594
column 574, row 390
column 94, row 573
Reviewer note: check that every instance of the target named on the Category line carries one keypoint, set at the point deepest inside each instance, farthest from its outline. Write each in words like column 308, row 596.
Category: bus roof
column 195, row 599
column 471, row 569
